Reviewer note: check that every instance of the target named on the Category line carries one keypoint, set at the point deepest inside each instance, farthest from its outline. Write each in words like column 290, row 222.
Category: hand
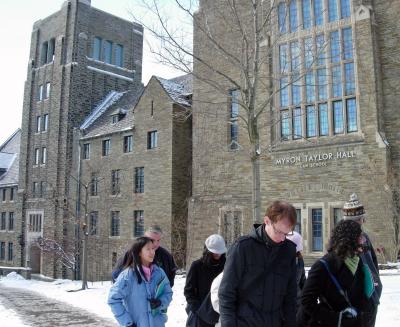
column 349, row 312
column 154, row 303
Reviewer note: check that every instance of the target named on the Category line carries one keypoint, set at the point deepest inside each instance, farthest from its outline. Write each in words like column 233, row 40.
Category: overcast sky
column 16, row 19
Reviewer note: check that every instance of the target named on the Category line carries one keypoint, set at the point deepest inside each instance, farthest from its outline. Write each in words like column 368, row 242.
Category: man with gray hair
column 162, row 258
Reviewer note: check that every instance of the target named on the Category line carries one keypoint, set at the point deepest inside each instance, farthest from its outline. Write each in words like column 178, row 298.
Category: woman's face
column 147, row 254
column 216, row 256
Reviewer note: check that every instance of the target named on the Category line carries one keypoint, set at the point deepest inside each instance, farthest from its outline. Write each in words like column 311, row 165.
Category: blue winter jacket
column 129, row 300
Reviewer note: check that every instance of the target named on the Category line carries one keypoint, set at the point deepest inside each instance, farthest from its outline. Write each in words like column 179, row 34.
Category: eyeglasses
column 279, row 232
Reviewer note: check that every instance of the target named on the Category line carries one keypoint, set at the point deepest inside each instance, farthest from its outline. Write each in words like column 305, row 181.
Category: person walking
column 354, row 210
column 337, row 290
column 202, row 273
column 258, row 287
column 141, row 293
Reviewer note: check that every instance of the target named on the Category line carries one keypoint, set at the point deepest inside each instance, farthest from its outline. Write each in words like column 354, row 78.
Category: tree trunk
column 256, row 196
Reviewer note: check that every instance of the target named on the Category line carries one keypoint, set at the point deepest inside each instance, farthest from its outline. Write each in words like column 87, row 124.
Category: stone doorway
column 35, row 256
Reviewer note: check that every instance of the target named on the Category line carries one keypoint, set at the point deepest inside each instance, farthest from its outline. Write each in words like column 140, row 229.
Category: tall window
column 35, row 222
column 40, row 93
column 311, row 121
column 4, row 194
column 139, row 180
column 86, row 151
column 351, row 115
column 321, row 47
column 337, row 81
column 115, row 181
column 11, row 221
column 119, row 55
column 337, row 215
column 97, row 48
column 297, row 228
column 35, row 189
column 338, row 117
column 307, row 22
column 282, row 17
column 93, row 222
column 128, row 143
column 138, row 223
column 350, row 87
column 10, row 251
column 233, row 119
column 284, row 92
column 115, row 223
column 322, row 84
column 285, row 129
column 293, row 24
column 297, row 121
column 107, row 52
column 94, row 184
column 106, row 147
column 295, row 56
column 323, row 119
column 316, row 225
column 332, row 10
column 37, row 156
column 48, row 87
column 52, row 46
column 347, row 43
column 38, row 123
column 345, row 8
column 152, row 140
column 45, row 122
column 3, row 221
column 318, row 12
column 43, row 53
column 44, row 156
column 2, row 250
column 296, row 90
column 12, row 194
column 335, row 46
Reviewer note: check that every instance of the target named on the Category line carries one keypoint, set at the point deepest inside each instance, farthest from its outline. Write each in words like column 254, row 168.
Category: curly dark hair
column 345, row 239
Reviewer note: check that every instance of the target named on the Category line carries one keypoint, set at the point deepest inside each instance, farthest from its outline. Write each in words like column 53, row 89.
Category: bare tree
column 238, row 40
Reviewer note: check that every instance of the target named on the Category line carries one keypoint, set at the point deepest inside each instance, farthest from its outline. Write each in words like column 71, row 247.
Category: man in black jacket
column 163, row 258
column 258, row 287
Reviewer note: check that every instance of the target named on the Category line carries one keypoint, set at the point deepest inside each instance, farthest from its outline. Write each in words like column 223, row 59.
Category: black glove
column 154, row 303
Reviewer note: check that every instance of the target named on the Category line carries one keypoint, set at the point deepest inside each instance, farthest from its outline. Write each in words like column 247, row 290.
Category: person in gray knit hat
column 354, row 210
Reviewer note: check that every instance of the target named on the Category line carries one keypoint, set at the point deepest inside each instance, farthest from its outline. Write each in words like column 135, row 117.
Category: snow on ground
column 95, row 298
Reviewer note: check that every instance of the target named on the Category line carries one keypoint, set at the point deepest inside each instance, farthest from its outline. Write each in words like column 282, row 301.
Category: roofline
column 9, row 138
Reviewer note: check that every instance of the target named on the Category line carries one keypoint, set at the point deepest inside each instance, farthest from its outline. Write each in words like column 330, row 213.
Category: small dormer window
column 118, row 115
column 115, row 118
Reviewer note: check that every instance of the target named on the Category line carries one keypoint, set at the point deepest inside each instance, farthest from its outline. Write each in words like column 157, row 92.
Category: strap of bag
column 335, row 281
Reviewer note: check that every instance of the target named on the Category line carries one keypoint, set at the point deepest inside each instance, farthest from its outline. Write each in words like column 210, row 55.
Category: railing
column 23, row 271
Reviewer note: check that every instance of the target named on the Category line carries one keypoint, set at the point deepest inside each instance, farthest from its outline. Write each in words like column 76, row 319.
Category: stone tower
column 78, row 55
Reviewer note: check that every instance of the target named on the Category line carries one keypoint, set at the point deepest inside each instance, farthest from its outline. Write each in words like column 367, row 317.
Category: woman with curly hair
column 336, row 292
column 141, row 294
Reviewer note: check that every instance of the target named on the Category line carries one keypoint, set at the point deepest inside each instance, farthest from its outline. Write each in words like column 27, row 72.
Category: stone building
column 330, row 126
column 10, row 222
column 78, row 56
column 135, row 166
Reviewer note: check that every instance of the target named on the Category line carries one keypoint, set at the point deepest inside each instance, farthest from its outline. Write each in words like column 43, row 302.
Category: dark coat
column 165, row 260
column 199, row 279
column 321, row 301
column 259, row 283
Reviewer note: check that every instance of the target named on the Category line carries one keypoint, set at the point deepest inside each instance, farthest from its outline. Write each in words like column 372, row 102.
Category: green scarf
column 352, row 263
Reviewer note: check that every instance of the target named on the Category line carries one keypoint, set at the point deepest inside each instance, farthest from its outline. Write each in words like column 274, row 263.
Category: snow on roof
column 178, row 88
column 109, row 100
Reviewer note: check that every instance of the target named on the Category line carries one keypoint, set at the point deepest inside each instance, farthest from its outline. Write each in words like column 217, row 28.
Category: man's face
column 279, row 230
column 156, row 239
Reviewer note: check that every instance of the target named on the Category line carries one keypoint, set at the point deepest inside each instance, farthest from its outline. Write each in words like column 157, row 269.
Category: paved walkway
column 39, row 311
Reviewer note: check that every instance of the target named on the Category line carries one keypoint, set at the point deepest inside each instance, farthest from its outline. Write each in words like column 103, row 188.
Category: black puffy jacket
column 259, row 283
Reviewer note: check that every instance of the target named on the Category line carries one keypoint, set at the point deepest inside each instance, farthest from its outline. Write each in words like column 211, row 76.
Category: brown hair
column 281, row 209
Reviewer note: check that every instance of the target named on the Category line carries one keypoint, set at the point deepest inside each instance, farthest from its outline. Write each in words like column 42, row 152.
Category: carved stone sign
column 320, row 159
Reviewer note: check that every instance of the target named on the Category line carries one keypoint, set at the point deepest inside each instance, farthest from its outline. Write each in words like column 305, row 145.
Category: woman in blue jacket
column 141, row 294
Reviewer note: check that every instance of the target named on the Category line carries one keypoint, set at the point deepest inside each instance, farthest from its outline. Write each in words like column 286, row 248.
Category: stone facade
column 68, row 75
column 10, row 218
column 134, row 186
column 318, row 169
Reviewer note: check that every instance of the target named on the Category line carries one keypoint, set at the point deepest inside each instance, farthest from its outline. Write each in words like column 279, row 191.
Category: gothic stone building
column 135, row 170
column 78, row 55
column 10, row 221
column 330, row 129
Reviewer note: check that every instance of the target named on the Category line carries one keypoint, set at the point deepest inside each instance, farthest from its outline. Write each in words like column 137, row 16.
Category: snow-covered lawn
column 94, row 299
